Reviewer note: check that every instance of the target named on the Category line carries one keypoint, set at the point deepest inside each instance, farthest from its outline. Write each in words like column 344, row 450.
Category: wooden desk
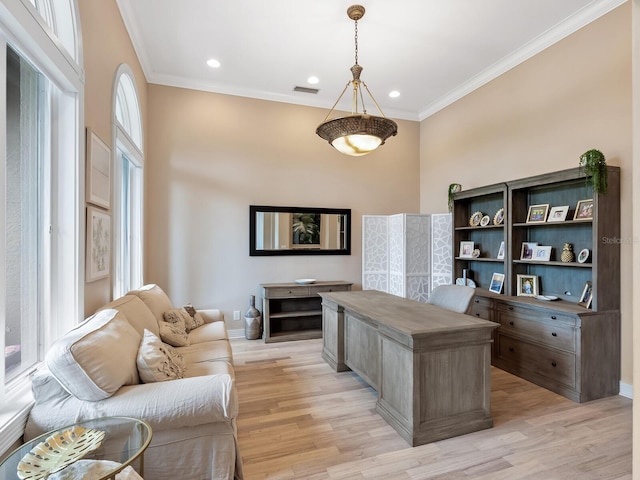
column 430, row 366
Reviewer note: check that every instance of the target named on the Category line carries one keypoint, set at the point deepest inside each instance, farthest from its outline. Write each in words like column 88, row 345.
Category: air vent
column 306, row 90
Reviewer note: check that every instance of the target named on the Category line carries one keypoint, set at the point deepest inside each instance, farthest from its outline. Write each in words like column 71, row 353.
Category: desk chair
column 456, row 298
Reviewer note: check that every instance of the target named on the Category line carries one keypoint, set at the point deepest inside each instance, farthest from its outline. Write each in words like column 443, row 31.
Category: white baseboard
column 626, row 390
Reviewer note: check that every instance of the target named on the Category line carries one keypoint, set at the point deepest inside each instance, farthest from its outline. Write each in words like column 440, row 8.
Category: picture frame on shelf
column 475, row 219
column 485, row 221
column 98, row 246
column 558, row 214
column 538, row 213
column 526, row 252
column 98, row 175
column 584, row 255
column 584, row 210
column 498, row 218
column 500, row 255
column 466, row 249
column 541, row 253
column 527, row 285
column 497, row 281
column 587, row 295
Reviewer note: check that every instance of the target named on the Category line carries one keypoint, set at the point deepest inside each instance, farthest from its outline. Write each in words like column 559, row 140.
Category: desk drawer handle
column 511, row 323
column 330, row 290
column 553, row 317
column 289, row 291
column 477, row 314
column 477, row 301
column 554, row 364
column 510, row 308
column 554, row 334
column 511, row 349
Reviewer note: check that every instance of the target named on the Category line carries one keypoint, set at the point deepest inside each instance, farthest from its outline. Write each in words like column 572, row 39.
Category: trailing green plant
column 453, row 188
column 594, row 165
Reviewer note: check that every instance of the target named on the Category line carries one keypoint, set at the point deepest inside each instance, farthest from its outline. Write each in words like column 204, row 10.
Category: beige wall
column 106, row 45
column 539, row 117
column 211, row 156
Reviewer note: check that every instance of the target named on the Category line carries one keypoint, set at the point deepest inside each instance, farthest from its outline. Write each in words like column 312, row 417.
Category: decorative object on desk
column 497, row 280
column 359, row 133
column 475, row 253
column 594, row 164
column 305, row 281
column 475, row 219
column 567, row 255
column 538, row 213
column 558, row 214
column 453, row 188
column 541, row 253
column 57, row 451
column 526, row 253
column 583, row 256
column 498, row 218
column 547, row 298
column 466, row 249
column 584, row 210
column 500, row 255
column 587, row 294
column 252, row 320
column 527, row 286
column 485, row 221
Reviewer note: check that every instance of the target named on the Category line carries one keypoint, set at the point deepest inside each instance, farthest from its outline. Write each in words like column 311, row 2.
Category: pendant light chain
column 356, row 40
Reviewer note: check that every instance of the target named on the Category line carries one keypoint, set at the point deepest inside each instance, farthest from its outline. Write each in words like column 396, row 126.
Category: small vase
column 252, row 320
column 567, row 255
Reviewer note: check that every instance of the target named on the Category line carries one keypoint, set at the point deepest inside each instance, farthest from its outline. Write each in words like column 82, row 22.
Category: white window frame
column 128, row 139
column 25, row 30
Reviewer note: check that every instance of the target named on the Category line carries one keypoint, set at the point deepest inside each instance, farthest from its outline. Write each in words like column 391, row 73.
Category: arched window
column 41, row 199
column 129, row 161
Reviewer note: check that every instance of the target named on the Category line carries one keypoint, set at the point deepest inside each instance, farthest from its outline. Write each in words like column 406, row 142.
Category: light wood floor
column 299, row 419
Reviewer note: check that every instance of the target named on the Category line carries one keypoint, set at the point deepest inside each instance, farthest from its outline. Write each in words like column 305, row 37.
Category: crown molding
column 133, row 28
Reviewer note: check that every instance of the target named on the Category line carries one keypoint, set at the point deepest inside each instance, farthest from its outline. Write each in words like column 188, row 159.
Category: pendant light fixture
column 358, row 133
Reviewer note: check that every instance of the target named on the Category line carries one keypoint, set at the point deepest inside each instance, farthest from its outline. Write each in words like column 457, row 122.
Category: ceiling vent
column 306, row 90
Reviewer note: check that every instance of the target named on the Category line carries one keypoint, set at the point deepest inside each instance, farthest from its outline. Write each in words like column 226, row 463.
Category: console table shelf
column 293, row 311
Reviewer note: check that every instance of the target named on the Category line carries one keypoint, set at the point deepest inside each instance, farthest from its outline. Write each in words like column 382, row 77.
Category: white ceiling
column 432, row 51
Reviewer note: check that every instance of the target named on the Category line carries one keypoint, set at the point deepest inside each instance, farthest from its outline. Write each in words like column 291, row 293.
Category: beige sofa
column 113, row 364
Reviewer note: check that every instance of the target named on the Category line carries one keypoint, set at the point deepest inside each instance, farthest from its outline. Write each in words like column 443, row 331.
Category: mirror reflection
column 299, row 231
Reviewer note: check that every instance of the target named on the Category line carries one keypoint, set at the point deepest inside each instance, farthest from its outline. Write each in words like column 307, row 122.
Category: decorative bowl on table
column 305, row 281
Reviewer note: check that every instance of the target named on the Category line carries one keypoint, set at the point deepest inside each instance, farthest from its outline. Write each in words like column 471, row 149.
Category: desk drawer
column 555, row 334
column 560, row 367
column 286, row 292
column 315, row 289
column 480, row 308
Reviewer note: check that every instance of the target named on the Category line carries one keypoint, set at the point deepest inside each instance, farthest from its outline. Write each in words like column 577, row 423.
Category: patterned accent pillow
column 157, row 361
column 174, row 334
column 178, row 316
column 190, row 310
column 198, row 320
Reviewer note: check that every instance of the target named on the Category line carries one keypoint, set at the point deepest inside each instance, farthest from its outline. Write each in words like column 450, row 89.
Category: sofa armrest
column 211, row 315
column 186, row 402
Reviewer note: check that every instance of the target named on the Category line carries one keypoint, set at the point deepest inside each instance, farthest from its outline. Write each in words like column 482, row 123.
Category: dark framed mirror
column 299, row 231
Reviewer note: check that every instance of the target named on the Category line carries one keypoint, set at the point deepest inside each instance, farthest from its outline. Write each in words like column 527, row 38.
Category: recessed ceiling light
column 313, row 80
column 394, row 94
column 213, row 63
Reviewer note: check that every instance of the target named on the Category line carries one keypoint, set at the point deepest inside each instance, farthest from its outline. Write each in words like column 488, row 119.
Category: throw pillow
column 190, row 310
column 178, row 316
column 157, row 361
column 196, row 317
column 198, row 321
column 174, row 334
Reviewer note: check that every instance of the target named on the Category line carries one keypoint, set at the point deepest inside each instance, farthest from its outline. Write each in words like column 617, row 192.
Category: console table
column 293, row 311
column 429, row 366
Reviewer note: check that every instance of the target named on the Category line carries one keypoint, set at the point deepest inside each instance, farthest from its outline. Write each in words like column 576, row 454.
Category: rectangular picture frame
column 584, row 210
column 500, row 255
column 497, row 281
column 538, row 213
column 98, row 244
column 526, row 252
column 527, row 285
column 587, row 295
column 541, row 253
column 98, row 175
column 558, row 214
column 466, row 249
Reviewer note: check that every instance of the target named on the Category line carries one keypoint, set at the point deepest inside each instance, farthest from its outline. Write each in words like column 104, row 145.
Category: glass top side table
column 124, row 442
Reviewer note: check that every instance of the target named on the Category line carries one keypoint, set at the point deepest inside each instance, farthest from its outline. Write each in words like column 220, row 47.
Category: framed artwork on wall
column 98, row 255
column 98, row 171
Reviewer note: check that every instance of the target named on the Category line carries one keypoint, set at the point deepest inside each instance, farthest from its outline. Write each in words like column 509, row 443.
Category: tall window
column 41, row 199
column 129, row 183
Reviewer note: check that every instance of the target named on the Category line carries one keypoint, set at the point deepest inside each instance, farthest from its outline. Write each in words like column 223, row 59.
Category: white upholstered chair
column 456, row 298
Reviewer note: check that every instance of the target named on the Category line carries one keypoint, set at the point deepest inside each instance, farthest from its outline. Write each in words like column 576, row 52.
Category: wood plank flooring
column 300, row 420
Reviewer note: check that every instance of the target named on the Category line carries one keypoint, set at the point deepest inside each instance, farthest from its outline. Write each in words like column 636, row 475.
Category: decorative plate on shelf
column 475, row 219
column 470, row 283
column 485, row 221
column 547, row 298
column 305, row 281
column 583, row 256
column 59, row 450
column 498, row 218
